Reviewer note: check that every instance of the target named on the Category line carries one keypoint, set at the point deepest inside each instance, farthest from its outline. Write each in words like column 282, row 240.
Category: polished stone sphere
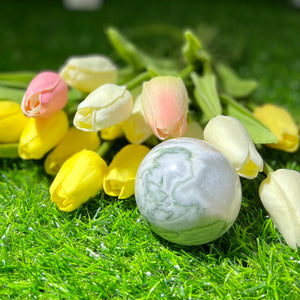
column 187, row 191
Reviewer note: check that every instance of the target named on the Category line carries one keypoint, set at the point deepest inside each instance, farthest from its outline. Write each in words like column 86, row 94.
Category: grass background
column 104, row 250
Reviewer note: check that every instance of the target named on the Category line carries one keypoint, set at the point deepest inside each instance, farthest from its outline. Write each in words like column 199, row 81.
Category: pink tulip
column 165, row 103
column 46, row 94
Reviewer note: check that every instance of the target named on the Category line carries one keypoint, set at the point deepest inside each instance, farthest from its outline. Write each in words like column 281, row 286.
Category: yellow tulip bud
column 136, row 128
column 112, row 132
column 74, row 141
column 281, row 124
column 230, row 137
column 79, row 179
column 279, row 193
column 120, row 178
column 40, row 135
column 12, row 121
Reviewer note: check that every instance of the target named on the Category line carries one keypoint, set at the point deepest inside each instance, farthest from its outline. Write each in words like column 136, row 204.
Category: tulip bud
column 120, row 178
column 281, row 124
column 12, row 121
column 106, row 106
column 279, row 193
column 136, row 128
column 230, row 137
column 42, row 134
column 46, row 94
column 112, row 132
column 193, row 130
column 165, row 103
column 79, row 179
column 86, row 73
column 74, row 141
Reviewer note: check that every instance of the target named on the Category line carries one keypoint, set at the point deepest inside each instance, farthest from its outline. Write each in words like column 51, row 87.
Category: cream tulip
column 88, row 72
column 106, row 106
column 280, row 195
column 230, row 137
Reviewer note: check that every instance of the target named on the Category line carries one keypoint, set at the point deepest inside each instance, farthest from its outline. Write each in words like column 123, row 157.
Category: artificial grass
column 104, row 250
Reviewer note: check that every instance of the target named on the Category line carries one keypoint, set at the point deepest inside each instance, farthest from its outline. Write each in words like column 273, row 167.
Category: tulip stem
column 267, row 168
column 137, row 80
column 104, row 147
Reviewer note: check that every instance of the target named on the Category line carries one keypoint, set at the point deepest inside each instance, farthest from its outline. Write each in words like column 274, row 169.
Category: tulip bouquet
column 189, row 110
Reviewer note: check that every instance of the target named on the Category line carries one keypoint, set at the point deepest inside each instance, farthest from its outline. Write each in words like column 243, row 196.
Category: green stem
column 186, row 71
column 137, row 80
column 104, row 147
column 267, row 168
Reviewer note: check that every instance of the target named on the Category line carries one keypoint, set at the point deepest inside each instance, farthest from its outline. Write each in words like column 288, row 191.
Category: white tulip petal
column 229, row 137
column 280, row 195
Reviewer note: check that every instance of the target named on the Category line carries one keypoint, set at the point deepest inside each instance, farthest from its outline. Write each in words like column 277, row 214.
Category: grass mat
column 104, row 250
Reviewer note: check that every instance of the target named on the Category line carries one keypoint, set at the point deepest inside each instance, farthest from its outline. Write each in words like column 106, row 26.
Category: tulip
column 79, row 179
column 193, row 130
column 88, row 72
column 106, row 106
column 281, row 124
column 40, row 135
column 120, row 178
column 165, row 103
column 136, row 128
column 46, row 94
column 279, row 193
column 112, row 132
column 74, row 141
column 230, row 137
column 12, row 121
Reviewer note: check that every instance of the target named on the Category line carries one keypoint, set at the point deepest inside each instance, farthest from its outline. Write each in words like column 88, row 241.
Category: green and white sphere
column 187, row 191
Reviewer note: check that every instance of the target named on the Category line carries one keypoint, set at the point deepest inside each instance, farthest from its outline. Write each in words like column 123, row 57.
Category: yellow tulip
column 281, row 124
column 79, row 179
column 120, row 178
column 112, row 132
column 12, row 121
column 74, row 141
column 40, row 135
column 136, row 128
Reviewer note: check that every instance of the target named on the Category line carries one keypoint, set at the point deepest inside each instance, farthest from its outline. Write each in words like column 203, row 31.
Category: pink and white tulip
column 165, row 104
column 46, row 94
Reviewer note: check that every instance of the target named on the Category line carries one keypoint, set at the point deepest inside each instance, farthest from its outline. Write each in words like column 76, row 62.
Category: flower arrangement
column 187, row 187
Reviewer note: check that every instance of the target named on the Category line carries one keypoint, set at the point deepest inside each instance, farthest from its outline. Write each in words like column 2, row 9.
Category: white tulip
column 106, row 106
column 88, row 72
column 280, row 195
column 230, row 137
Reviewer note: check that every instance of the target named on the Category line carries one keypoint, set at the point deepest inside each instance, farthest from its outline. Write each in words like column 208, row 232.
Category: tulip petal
column 279, row 193
column 46, row 94
column 120, row 178
column 79, row 179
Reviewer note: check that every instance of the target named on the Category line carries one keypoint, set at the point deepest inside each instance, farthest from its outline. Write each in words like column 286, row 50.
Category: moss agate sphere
column 187, row 191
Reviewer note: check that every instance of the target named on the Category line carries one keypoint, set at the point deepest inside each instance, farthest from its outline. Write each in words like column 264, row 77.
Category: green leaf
column 234, row 85
column 206, row 94
column 13, row 94
column 74, row 95
column 18, row 79
column 126, row 49
column 193, row 49
column 258, row 132
column 9, row 150
column 138, row 59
